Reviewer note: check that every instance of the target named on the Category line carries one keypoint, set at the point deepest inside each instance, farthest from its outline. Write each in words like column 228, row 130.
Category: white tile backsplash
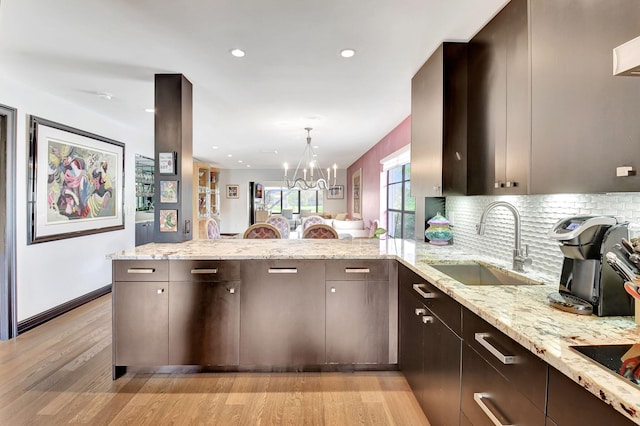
column 538, row 214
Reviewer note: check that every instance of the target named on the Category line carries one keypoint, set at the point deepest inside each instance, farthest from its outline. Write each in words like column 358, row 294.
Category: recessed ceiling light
column 239, row 161
column 347, row 53
column 149, row 110
column 214, row 147
column 248, row 165
column 238, row 53
column 229, row 155
column 104, row 95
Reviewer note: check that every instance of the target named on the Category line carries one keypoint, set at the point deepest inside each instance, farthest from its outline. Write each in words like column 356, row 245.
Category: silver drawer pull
column 505, row 359
column 421, row 311
column 283, row 270
column 425, row 295
column 479, row 399
column 427, row 319
column 160, row 290
column 204, row 271
column 356, row 270
column 141, row 270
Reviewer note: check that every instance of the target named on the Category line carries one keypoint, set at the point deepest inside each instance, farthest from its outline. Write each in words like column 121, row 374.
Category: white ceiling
column 291, row 77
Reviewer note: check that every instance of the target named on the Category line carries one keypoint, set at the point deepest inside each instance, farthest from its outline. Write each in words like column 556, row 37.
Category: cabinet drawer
column 141, row 270
column 204, row 270
column 447, row 309
column 357, row 270
column 286, row 271
column 485, row 393
column 523, row 369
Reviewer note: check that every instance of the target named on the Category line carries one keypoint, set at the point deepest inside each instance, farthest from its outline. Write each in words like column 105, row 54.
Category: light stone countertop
column 520, row 312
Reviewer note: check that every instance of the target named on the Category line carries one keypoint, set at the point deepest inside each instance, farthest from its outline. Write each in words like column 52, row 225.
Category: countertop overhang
column 521, row 312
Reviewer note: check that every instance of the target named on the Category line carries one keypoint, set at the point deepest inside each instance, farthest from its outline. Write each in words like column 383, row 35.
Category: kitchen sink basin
column 479, row 274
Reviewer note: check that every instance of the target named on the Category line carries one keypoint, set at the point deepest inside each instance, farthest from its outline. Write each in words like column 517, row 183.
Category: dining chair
column 213, row 230
column 261, row 230
column 320, row 231
column 310, row 221
column 281, row 223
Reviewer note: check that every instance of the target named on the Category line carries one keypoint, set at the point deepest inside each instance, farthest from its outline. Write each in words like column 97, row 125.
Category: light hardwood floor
column 60, row 373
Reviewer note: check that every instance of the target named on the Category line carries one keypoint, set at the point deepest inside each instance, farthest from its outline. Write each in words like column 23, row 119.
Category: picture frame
column 76, row 182
column 258, row 191
column 167, row 163
column 169, row 191
column 233, row 191
column 335, row 192
column 168, row 220
column 356, row 193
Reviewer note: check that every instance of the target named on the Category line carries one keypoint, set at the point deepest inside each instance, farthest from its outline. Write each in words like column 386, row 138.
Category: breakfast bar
column 519, row 313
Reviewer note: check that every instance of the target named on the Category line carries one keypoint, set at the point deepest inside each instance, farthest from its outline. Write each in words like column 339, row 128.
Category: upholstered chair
column 281, row 223
column 311, row 220
column 262, row 230
column 213, row 230
column 320, row 231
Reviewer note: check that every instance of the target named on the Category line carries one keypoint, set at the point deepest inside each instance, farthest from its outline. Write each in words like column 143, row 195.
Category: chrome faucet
column 520, row 257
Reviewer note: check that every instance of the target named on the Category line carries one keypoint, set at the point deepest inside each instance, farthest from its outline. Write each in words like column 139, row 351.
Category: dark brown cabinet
column 140, row 313
column 204, row 313
column 498, row 110
column 584, row 120
column 571, row 405
column 430, row 351
column 357, row 312
column 283, row 313
column 439, row 123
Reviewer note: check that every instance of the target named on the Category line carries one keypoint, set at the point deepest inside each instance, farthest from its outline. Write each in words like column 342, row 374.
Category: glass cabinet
column 206, row 197
column 144, row 183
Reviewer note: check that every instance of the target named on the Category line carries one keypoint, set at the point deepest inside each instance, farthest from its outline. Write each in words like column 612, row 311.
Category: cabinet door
column 498, row 132
column 486, row 394
column 357, row 322
column 283, row 313
column 141, row 323
column 569, row 404
column 442, row 369
column 411, row 352
column 204, row 326
column 584, row 120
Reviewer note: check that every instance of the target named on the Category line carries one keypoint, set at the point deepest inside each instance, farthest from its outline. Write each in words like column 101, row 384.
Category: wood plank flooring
column 60, row 373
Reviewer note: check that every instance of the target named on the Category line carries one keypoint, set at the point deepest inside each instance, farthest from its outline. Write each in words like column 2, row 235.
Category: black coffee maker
column 588, row 284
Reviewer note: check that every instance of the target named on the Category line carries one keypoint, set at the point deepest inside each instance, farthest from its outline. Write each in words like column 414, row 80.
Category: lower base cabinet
column 205, row 323
column 283, row 314
column 569, row 404
column 430, row 351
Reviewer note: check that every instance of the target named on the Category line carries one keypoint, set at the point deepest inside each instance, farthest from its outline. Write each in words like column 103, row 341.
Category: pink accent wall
column 371, row 169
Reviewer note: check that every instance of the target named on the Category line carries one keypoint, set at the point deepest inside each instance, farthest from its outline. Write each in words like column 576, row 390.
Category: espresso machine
column 588, row 284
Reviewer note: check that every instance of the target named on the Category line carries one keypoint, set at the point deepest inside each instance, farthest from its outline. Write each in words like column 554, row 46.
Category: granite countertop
column 520, row 312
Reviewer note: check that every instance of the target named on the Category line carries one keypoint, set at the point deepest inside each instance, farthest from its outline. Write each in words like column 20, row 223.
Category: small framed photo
column 168, row 191
column 233, row 191
column 167, row 163
column 168, row 220
column 335, row 192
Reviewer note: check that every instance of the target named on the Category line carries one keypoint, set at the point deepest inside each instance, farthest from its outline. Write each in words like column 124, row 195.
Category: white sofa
column 355, row 228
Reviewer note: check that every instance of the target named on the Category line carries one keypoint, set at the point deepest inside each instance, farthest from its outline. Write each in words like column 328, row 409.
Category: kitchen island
column 520, row 312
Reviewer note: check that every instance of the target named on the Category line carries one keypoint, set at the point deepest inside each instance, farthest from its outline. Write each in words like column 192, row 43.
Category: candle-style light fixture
column 311, row 176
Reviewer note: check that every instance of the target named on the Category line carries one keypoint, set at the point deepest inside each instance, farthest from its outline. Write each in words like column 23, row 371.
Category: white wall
column 234, row 213
column 49, row 274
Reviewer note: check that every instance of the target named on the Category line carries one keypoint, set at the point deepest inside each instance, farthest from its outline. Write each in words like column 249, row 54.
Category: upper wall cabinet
column 439, row 124
column 498, row 109
column 585, row 121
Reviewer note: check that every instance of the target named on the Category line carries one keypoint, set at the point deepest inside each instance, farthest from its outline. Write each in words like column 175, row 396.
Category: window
column 297, row 200
column 401, row 207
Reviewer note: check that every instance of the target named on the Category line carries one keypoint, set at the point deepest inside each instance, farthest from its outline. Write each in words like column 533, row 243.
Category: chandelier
column 311, row 176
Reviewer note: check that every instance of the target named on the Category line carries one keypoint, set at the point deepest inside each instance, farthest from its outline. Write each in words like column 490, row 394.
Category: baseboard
column 56, row 311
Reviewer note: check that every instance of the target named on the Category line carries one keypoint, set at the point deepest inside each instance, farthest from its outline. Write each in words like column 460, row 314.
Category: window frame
column 402, row 212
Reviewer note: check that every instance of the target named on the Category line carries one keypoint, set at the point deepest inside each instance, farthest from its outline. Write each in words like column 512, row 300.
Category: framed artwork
column 233, row 191
column 168, row 191
column 168, row 220
column 335, row 192
column 258, row 191
column 167, row 163
column 356, row 193
column 76, row 182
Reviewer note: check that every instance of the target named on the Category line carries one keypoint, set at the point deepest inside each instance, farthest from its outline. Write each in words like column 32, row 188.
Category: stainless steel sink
column 480, row 274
